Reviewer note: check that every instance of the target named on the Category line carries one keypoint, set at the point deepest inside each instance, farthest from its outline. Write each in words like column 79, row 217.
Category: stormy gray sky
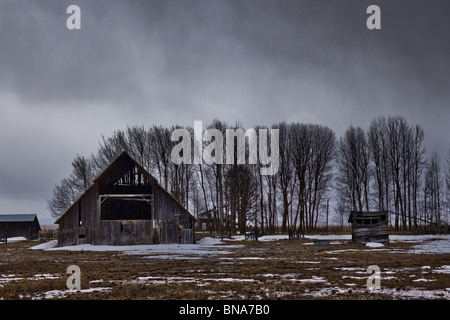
column 175, row 61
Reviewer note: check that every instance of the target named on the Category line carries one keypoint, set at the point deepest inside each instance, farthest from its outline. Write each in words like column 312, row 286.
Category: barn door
column 187, row 235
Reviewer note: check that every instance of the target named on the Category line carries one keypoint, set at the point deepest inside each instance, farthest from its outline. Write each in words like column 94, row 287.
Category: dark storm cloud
column 142, row 54
column 172, row 61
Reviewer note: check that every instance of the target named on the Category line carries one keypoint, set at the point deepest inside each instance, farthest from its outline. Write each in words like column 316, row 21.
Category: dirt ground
column 279, row 269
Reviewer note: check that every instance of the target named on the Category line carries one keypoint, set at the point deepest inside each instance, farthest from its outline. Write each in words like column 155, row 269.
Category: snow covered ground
column 5, row 278
column 439, row 244
column 239, row 268
column 206, row 246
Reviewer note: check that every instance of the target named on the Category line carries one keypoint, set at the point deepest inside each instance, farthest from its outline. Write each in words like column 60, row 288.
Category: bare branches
column 353, row 167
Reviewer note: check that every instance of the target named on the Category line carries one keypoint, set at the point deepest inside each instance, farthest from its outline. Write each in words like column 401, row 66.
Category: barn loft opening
column 128, row 198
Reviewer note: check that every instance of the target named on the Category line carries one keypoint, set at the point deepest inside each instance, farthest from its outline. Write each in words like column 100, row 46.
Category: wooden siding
column 125, row 232
column 369, row 227
column 27, row 229
column 169, row 221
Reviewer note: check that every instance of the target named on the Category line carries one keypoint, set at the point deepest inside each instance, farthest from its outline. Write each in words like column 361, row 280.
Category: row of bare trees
column 383, row 168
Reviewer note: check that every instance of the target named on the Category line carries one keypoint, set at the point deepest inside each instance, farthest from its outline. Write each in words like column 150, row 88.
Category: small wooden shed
column 369, row 226
column 19, row 225
column 206, row 221
column 125, row 205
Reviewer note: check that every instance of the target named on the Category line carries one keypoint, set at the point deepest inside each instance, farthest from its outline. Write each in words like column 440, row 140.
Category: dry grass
column 254, row 270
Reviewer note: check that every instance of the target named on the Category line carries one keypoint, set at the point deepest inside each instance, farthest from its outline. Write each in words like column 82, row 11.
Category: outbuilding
column 19, row 225
column 369, row 226
column 207, row 221
column 125, row 205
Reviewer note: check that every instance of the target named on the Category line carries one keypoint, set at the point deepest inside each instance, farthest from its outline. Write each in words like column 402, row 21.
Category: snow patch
column 209, row 241
column 313, row 279
column 206, row 246
column 46, row 245
column 442, row 269
column 59, row 294
column 16, row 239
column 424, row 280
column 440, row 245
column 374, row 245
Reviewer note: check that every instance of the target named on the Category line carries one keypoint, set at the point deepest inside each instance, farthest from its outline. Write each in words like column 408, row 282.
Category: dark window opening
column 126, row 207
column 132, row 178
column 127, row 198
column 81, row 236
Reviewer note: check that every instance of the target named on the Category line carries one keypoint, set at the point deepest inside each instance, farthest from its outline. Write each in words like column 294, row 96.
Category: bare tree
column 160, row 150
column 417, row 165
column 447, row 172
column 138, row 145
column 286, row 169
column 377, row 140
column 217, row 169
column 108, row 150
column 405, row 155
column 63, row 196
column 82, row 174
column 433, row 191
column 313, row 149
column 353, row 167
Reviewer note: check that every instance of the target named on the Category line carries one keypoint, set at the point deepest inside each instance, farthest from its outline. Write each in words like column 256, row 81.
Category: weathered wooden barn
column 125, row 205
column 19, row 225
column 369, row 226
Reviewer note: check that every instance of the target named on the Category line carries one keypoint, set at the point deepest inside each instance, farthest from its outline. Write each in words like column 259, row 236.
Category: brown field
column 279, row 269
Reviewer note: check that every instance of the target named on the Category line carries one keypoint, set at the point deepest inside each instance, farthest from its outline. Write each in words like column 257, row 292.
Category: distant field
column 274, row 268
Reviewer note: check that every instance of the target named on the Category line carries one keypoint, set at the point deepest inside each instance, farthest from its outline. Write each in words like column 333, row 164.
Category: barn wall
column 71, row 231
column 176, row 224
column 168, row 209
column 26, row 229
column 125, row 232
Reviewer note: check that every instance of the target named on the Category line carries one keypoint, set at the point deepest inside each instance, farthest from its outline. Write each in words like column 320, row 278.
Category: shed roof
column 17, row 217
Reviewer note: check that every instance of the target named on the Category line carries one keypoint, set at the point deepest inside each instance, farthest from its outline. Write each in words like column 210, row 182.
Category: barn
column 19, row 225
column 369, row 226
column 125, row 205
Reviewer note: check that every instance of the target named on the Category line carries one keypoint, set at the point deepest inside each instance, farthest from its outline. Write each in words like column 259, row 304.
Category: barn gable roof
column 115, row 170
column 118, row 167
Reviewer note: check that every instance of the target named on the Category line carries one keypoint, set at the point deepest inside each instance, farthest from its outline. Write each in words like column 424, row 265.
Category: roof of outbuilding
column 17, row 217
column 20, row 218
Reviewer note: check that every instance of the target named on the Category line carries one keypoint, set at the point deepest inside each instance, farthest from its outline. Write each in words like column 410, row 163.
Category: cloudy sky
column 175, row 61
